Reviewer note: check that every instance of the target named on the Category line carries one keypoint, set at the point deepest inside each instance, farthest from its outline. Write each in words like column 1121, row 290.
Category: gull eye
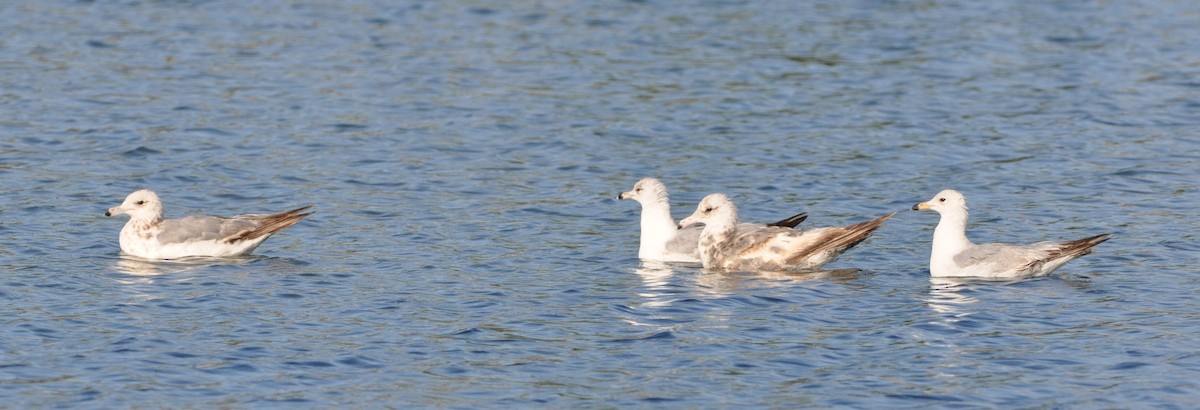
column 941, row 199
column 637, row 190
column 140, row 202
column 709, row 209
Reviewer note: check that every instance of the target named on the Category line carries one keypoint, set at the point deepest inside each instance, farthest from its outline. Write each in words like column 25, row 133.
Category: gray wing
column 203, row 228
column 686, row 241
column 997, row 254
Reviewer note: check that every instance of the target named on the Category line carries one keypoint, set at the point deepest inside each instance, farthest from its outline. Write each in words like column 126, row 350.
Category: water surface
column 468, row 249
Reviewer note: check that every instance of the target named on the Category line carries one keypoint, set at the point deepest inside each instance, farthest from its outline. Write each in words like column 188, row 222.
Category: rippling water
column 468, row 250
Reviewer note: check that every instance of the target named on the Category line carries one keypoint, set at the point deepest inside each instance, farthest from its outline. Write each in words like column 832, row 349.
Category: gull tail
column 1078, row 247
column 847, row 236
column 1067, row 251
column 792, row 221
column 270, row 224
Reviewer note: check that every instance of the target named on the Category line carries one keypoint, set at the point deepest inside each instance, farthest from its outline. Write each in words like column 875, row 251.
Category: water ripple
column 468, row 251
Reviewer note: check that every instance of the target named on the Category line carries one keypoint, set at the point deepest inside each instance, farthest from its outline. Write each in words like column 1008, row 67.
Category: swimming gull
column 148, row 235
column 953, row 255
column 724, row 246
column 661, row 238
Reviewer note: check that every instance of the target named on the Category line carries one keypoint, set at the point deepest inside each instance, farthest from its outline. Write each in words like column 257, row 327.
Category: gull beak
column 114, row 211
column 625, row 195
column 921, row 206
column 686, row 222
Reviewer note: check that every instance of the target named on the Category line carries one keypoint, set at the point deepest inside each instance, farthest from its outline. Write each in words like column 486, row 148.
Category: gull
column 954, row 255
column 147, row 235
column 724, row 246
column 661, row 238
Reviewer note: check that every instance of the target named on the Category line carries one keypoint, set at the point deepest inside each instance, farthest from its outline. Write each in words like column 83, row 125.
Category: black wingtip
column 792, row 221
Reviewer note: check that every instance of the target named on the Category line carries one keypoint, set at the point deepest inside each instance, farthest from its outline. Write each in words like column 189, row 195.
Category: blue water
column 468, row 250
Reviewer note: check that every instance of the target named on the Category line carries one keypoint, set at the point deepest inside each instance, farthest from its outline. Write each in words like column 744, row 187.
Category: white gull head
column 715, row 210
column 646, row 192
column 658, row 228
column 948, row 202
column 142, row 206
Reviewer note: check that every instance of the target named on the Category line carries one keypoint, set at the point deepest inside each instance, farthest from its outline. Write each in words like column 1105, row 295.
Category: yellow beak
column 921, row 206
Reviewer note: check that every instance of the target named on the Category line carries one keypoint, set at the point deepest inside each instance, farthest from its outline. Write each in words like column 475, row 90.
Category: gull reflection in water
column 139, row 267
column 722, row 282
column 658, row 290
column 945, row 296
column 656, row 280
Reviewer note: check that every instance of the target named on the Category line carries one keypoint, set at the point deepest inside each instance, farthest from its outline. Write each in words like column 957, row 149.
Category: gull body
column 148, row 235
column 661, row 239
column 953, row 255
column 724, row 246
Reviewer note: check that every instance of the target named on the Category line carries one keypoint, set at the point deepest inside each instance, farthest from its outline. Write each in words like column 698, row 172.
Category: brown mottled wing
column 269, row 224
column 841, row 238
column 686, row 240
column 751, row 240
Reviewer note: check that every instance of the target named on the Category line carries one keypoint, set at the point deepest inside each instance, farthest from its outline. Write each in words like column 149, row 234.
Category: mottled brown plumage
column 724, row 246
column 842, row 238
column 661, row 239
